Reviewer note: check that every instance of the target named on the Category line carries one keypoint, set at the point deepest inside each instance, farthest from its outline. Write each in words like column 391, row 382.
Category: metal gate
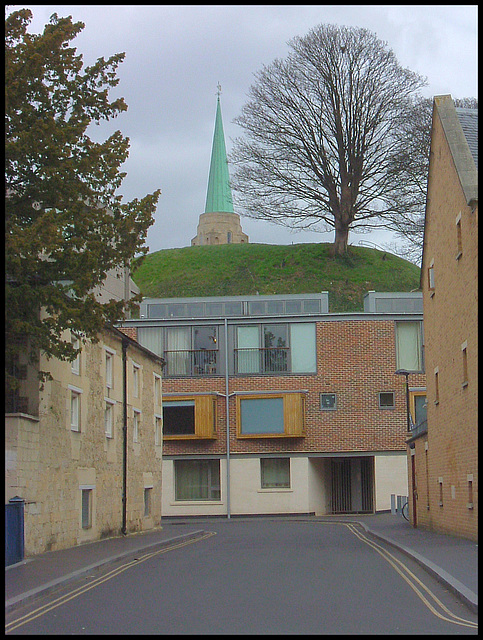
column 352, row 485
column 14, row 531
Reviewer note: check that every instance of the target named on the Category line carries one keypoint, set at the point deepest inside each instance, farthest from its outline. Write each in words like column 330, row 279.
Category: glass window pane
column 275, row 473
column 261, row 416
column 420, row 409
column 179, row 418
column 197, row 480
column 408, row 346
column 302, row 348
column 248, row 353
column 275, row 344
column 150, row 337
column 177, row 355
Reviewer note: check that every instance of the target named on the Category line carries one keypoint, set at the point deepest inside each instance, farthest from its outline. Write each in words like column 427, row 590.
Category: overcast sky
column 177, row 54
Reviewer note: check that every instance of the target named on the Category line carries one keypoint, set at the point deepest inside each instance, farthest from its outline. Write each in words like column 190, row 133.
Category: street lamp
column 404, row 372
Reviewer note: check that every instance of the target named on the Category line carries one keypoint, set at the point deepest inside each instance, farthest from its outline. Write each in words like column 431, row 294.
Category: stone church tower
column 219, row 224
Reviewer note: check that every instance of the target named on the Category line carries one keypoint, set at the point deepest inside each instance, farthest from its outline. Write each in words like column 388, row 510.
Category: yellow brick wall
column 450, row 322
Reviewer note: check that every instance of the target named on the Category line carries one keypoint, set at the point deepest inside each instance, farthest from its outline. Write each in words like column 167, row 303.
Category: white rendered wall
column 391, row 477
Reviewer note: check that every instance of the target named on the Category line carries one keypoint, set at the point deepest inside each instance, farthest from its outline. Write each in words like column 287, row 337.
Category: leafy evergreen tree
column 65, row 227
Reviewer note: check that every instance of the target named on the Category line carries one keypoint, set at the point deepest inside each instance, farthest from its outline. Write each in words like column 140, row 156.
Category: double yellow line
column 53, row 604
column 412, row 580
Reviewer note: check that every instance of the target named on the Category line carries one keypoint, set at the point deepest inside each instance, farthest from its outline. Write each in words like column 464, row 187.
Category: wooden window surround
column 189, row 417
column 283, row 415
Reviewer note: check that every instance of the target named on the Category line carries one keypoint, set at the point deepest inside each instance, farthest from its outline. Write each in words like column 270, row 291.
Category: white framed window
column 75, row 408
column 75, row 364
column 431, row 278
column 109, row 417
column 136, row 374
column 157, row 390
column 109, row 367
column 328, row 401
column 409, row 345
column 158, row 429
column 386, row 400
column 136, row 420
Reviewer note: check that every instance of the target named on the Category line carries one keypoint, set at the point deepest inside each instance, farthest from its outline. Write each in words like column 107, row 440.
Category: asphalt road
column 255, row 576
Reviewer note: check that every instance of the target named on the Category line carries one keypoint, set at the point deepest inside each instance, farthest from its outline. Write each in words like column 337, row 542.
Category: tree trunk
column 341, row 240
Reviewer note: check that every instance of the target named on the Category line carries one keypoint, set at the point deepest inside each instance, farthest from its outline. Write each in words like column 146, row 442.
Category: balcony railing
column 419, row 428
column 200, row 362
column 261, row 360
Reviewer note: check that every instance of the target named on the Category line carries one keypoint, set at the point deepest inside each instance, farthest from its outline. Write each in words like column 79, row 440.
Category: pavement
column 451, row 560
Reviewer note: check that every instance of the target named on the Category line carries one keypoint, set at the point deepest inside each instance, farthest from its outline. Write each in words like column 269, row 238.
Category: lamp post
column 404, row 372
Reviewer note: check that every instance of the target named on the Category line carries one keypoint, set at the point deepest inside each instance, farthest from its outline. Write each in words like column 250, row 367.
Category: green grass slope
column 248, row 269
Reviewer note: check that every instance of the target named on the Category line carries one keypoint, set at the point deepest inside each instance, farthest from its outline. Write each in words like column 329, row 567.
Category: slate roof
column 469, row 123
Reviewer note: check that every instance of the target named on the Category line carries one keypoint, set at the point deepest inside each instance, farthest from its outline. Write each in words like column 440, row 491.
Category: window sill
column 458, row 255
column 275, row 490
column 247, row 436
column 464, row 384
column 193, row 436
column 431, row 294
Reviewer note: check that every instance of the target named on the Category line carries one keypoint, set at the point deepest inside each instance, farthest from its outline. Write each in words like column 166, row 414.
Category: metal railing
column 200, row 362
column 261, row 360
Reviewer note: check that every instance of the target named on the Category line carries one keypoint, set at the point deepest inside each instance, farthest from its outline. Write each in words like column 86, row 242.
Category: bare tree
column 410, row 168
column 322, row 128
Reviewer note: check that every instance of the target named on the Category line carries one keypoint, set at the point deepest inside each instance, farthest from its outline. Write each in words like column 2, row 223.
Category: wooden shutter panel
column 294, row 410
column 205, row 417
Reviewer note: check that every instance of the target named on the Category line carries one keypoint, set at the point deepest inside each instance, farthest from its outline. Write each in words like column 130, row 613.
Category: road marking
column 398, row 565
column 19, row 622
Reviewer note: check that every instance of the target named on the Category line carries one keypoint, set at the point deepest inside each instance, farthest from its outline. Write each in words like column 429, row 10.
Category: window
column 459, row 241
column 75, row 409
column 205, row 345
column 276, row 355
column 197, row 480
column 136, row 419
column 409, row 346
column 436, row 386
column 135, row 379
column 177, row 354
column 386, row 400
column 179, row 418
column 272, row 415
column 275, row 348
column 158, row 430
column 86, row 516
column 275, row 473
column 469, row 479
column 328, row 401
column 418, row 407
column 189, row 417
column 75, row 364
column 464, row 356
column 147, row 501
column 108, row 417
column 302, row 347
column 440, row 483
column 157, row 390
column 431, row 278
column 109, row 369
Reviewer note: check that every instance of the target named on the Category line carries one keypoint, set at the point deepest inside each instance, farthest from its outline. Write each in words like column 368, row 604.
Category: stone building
column 83, row 453
column 274, row 405
column 443, row 452
column 219, row 224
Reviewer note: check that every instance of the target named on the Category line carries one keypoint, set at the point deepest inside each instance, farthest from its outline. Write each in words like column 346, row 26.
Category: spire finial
column 218, row 86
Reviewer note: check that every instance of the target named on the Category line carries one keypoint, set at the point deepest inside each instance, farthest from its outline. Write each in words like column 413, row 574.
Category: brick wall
column 356, row 360
column 450, row 321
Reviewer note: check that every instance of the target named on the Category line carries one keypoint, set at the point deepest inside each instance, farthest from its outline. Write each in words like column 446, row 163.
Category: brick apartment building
column 317, row 418
column 443, row 453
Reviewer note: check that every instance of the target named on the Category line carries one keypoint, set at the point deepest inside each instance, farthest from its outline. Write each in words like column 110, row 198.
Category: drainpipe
column 227, row 400
column 124, row 435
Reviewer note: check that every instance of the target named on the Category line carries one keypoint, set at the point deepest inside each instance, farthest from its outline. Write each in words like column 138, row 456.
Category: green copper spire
column 218, row 196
